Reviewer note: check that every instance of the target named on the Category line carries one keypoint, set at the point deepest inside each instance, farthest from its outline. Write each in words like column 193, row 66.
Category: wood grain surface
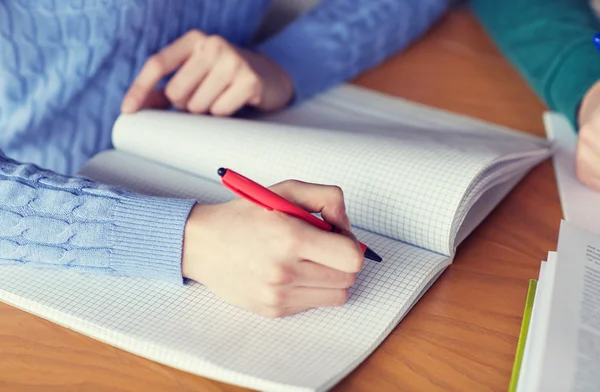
column 461, row 336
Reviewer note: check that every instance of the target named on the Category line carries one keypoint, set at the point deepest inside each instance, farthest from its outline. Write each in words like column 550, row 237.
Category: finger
column 590, row 135
column 325, row 199
column 588, row 166
column 187, row 79
column 307, row 297
column 156, row 100
column 158, row 66
column 218, row 79
column 309, row 274
column 244, row 89
column 329, row 249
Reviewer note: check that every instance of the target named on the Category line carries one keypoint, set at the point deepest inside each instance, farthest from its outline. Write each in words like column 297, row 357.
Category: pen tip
column 222, row 171
column 369, row 254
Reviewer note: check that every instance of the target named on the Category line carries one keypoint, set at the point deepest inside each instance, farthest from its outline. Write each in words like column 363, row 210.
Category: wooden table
column 461, row 336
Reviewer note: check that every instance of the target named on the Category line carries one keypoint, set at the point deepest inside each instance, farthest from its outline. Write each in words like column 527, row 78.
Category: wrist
column 278, row 89
column 196, row 242
column 284, row 79
column 589, row 104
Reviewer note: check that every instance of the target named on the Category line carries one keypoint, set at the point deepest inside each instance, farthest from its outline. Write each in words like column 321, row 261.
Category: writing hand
column 268, row 262
column 212, row 77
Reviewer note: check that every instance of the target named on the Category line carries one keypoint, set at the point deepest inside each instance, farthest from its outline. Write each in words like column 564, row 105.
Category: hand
column 268, row 262
column 588, row 148
column 212, row 76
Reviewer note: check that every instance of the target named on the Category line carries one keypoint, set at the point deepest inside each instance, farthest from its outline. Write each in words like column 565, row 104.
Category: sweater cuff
column 147, row 237
column 297, row 54
column 577, row 72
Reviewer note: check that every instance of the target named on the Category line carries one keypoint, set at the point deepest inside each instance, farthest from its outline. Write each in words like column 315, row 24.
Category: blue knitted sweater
column 65, row 67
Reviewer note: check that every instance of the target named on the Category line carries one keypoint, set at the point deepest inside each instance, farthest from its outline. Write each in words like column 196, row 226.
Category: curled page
column 408, row 184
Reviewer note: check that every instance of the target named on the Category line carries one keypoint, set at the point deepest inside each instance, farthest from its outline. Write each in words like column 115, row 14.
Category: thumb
column 324, row 199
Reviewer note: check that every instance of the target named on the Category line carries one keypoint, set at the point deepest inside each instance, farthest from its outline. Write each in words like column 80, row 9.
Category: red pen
column 269, row 200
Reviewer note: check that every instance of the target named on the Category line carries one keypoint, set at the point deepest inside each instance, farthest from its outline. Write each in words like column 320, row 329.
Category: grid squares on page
column 310, row 349
column 416, row 205
column 393, row 187
column 406, row 185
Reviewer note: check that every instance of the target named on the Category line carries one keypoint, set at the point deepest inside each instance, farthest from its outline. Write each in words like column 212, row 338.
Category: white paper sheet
column 571, row 360
column 580, row 204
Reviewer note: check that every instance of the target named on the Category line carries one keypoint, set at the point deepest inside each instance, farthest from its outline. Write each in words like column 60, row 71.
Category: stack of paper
column 562, row 340
column 559, row 348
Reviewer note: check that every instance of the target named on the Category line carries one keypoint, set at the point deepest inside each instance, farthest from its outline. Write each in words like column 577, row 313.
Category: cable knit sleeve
column 50, row 220
column 338, row 39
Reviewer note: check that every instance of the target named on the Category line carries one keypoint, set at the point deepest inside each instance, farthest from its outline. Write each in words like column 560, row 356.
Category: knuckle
column 336, row 199
column 349, row 279
column 337, row 193
column 233, row 61
column 215, row 42
column 292, row 238
column 156, row 64
column 172, row 93
column 253, row 83
column 355, row 256
column 273, row 297
column 279, row 275
column 290, row 184
column 196, row 35
column 251, row 79
column 198, row 45
column 340, row 297
column 357, row 261
column 195, row 108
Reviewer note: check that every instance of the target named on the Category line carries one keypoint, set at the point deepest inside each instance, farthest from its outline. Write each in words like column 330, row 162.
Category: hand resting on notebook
column 270, row 263
column 212, row 76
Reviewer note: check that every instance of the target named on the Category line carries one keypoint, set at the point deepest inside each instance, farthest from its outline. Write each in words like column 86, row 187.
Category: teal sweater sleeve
column 550, row 44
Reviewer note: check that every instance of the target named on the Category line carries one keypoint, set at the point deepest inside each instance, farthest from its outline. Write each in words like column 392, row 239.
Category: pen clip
column 245, row 196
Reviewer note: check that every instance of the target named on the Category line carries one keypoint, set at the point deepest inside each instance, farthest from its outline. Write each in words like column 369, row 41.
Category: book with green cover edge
column 523, row 335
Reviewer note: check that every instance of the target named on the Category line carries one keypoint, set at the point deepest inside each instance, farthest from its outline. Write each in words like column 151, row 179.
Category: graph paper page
column 407, row 185
column 349, row 107
column 189, row 328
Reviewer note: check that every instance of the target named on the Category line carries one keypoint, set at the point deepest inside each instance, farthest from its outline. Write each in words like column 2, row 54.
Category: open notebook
column 417, row 181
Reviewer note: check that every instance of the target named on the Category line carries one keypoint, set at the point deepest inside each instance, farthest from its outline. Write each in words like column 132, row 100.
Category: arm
column 550, row 43
column 263, row 262
column 338, row 39
column 328, row 45
column 49, row 220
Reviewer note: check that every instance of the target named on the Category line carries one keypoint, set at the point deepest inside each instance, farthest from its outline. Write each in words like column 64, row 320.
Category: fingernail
column 129, row 105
